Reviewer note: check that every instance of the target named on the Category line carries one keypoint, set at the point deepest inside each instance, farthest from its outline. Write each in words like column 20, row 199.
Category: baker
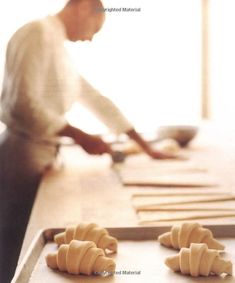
column 40, row 85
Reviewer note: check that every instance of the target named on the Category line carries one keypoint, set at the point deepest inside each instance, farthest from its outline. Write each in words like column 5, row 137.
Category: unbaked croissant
column 88, row 232
column 199, row 260
column 81, row 257
column 187, row 233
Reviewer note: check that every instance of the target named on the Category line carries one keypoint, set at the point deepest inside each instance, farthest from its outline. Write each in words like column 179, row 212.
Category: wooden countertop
column 88, row 189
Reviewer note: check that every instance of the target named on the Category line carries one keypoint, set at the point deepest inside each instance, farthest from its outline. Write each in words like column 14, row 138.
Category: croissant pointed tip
column 168, row 262
column 172, row 262
column 219, row 246
column 104, row 266
column 59, row 238
column 113, row 247
column 51, row 261
column 164, row 239
column 111, row 268
column 214, row 244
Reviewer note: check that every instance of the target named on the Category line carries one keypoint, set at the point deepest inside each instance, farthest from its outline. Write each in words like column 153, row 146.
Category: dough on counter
column 187, row 233
column 168, row 146
column 131, row 147
column 81, row 257
column 199, row 260
column 88, row 232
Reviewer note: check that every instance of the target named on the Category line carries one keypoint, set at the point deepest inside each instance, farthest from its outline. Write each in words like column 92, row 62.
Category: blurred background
column 171, row 63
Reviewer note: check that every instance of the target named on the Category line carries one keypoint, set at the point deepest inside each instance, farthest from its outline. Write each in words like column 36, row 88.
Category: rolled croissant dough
column 179, row 216
column 151, row 202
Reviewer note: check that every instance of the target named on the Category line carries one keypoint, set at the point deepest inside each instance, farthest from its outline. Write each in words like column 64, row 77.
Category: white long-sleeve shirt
column 40, row 84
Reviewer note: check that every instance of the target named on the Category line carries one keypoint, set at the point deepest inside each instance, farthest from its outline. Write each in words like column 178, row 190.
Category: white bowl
column 183, row 134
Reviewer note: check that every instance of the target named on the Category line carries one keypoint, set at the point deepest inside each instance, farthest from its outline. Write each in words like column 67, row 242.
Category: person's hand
column 155, row 154
column 160, row 155
column 90, row 143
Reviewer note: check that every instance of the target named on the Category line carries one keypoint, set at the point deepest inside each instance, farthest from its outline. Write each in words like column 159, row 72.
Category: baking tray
column 140, row 258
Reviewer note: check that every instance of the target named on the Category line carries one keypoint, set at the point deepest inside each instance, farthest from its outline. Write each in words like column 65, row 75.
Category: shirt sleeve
column 103, row 108
column 28, row 82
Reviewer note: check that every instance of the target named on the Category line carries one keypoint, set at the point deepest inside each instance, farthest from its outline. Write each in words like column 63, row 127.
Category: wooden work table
column 87, row 188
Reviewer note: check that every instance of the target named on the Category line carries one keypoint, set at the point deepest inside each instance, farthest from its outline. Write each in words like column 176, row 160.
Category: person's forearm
column 139, row 140
column 72, row 132
column 103, row 108
column 146, row 146
column 90, row 143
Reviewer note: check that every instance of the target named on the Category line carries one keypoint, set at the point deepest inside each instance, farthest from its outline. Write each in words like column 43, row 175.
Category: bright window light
column 222, row 46
column 147, row 62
